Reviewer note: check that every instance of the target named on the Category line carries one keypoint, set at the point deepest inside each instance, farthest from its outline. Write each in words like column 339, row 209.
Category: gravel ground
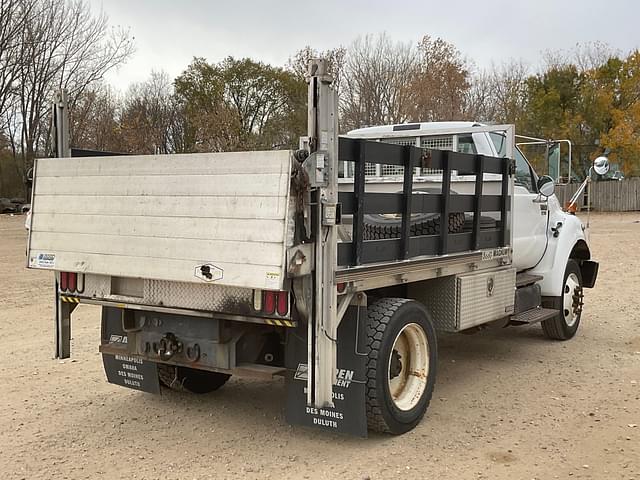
column 508, row 403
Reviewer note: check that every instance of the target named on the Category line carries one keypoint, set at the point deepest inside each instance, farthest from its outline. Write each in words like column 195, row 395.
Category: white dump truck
column 333, row 265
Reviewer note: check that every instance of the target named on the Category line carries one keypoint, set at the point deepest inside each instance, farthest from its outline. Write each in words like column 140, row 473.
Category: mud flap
column 349, row 414
column 124, row 369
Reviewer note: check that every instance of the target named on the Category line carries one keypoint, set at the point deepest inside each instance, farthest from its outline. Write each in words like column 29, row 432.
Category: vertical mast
column 323, row 170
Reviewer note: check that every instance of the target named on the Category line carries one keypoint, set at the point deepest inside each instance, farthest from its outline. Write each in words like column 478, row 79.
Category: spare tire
column 377, row 226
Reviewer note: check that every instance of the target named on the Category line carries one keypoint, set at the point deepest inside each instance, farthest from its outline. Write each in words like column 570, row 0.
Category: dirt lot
column 508, row 403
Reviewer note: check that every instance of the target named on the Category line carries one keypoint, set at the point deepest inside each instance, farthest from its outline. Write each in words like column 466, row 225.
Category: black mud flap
column 124, row 369
column 349, row 415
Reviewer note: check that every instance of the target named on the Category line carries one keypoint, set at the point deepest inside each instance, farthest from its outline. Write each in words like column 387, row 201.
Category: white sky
column 168, row 34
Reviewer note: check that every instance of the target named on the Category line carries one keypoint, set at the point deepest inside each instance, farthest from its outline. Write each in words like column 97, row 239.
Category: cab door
column 530, row 217
column 530, row 214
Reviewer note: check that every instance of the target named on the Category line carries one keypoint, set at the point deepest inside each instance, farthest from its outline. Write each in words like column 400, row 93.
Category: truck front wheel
column 191, row 380
column 401, row 364
column 565, row 325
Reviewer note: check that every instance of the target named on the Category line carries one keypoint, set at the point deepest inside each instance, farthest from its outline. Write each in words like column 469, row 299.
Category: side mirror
column 601, row 165
column 546, row 186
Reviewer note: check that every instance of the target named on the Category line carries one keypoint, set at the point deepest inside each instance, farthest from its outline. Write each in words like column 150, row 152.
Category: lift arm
column 322, row 166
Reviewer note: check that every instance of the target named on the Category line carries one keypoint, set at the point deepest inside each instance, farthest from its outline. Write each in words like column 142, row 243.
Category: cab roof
column 413, row 127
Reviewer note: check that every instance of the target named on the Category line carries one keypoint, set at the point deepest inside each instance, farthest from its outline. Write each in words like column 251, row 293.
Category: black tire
column 185, row 379
column 386, row 319
column 378, row 227
column 557, row 328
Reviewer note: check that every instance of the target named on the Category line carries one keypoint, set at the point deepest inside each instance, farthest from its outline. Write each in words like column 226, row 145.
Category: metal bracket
column 63, row 323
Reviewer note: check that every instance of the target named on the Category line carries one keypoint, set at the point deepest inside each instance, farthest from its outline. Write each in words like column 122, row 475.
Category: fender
column 570, row 238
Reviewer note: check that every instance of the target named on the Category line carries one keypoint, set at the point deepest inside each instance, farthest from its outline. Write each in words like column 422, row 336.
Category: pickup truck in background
column 334, row 265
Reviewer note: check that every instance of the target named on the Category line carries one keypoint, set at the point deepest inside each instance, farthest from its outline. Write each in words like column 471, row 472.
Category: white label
column 46, row 260
column 272, row 280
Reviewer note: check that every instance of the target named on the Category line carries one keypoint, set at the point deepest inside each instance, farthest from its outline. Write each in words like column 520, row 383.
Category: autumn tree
column 623, row 138
column 440, row 82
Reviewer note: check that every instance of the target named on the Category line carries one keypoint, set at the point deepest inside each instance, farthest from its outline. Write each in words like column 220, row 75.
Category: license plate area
column 131, row 372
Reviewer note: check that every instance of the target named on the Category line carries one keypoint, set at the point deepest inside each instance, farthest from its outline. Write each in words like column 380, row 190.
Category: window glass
column 524, row 176
column 466, row 145
column 500, row 142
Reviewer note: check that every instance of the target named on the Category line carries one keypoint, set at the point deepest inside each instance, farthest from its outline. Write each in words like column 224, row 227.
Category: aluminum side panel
column 163, row 217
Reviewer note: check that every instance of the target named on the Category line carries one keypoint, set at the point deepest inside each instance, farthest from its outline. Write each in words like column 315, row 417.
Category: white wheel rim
column 569, row 310
column 408, row 367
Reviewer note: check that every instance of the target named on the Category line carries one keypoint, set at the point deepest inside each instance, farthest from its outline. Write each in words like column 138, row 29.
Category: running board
column 532, row 316
column 524, row 279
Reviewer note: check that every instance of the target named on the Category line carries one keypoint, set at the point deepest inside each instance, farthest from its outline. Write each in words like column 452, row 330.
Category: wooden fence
column 607, row 196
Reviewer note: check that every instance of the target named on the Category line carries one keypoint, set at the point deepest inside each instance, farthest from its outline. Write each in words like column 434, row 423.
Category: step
column 257, row 370
column 524, row 279
column 534, row 315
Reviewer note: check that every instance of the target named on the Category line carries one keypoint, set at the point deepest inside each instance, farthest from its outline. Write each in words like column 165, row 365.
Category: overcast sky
column 169, row 33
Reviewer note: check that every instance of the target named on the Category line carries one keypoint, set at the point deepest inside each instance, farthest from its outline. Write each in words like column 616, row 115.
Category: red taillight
column 73, row 281
column 269, row 304
column 64, row 280
column 341, row 287
column 283, row 303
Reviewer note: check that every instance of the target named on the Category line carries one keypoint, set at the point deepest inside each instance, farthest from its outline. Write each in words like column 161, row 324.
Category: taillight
column 283, row 303
column 269, row 304
column 341, row 287
column 72, row 282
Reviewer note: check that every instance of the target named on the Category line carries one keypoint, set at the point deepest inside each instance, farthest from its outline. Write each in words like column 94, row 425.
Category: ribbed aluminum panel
column 459, row 302
column 484, row 297
column 207, row 297
column 439, row 296
column 215, row 298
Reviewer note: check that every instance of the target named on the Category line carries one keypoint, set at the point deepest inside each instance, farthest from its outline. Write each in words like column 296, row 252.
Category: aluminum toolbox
column 459, row 302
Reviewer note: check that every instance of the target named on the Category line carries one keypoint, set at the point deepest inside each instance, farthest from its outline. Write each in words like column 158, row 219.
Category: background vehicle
column 267, row 263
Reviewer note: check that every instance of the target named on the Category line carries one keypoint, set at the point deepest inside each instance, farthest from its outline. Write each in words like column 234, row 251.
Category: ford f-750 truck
column 333, row 265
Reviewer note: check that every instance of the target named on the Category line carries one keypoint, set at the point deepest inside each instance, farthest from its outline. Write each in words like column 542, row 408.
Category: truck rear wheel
column 185, row 379
column 565, row 325
column 401, row 364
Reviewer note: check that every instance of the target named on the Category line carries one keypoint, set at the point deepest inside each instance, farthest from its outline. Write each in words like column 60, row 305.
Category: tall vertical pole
column 323, row 142
column 63, row 309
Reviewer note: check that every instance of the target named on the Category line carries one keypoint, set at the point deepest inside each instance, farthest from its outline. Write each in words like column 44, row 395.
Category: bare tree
column 509, row 91
column 479, row 103
column 585, row 56
column 151, row 117
column 14, row 15
column 94, row 119
column 299, row 63
column 62, row 45
column 375, row 82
